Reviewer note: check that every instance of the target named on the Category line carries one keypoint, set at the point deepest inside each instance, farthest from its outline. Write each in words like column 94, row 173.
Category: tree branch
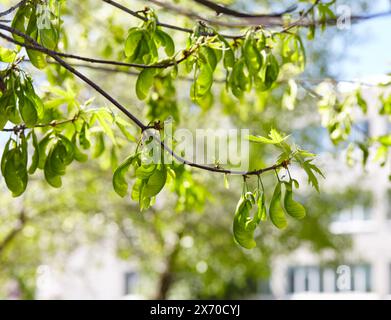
column 266, row 20
column 301, row 19
column 119, row 70
column 33, row 45
column 219, row 9
column 159, row 65
column 217, row 80
column 22, row 127
column 164, row 25
column 252, row 20
column 10, row 10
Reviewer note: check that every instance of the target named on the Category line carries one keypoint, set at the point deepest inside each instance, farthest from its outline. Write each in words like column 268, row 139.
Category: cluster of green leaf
column 142, row 43
column 56, row 142
column 150, row 179
column 14, row 165
column 324, row 11
column 28, row 19
column 253, row 61
column 256, row 60
column 384, row 141
column 162, row 101
column 249, row 62
column 339, row 114
column 18, row 101
column 245, row 225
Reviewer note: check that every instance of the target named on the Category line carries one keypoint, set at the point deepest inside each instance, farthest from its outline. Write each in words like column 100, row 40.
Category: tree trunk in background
column 14, row 232
column 166, row 278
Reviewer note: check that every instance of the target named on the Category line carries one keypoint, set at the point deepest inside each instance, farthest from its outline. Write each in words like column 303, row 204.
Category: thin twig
column 273, row 19
column 22, row 127
column 303, row 16
column 158, row 65
column 266, row 20
column 301, row 81
column 161, row 24
column 219, row 9
column 121, row 71
column 13, row 8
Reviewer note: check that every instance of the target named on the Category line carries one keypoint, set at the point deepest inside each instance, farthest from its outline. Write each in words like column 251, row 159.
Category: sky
column 370, row 53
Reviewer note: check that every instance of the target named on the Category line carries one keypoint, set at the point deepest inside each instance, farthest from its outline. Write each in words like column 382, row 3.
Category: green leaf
column 251, row 54
column 145, row 171
column 54, row 167
column 35, row 158
column 262, row 212
column 276, row 212
column 166, row 41
column 52, row 178
column 4, row 100
column 4, row 156
column 385, row 140
column 19, row 21
column 42, row 150
column 208, row 56
column 105, row 120
column 229, row 57
column 61, row 154
column 84, row 142
column 238, row 80
column 310, row 168
column 27, row 111
column 156, row 181
column 274, row 138
column 226, row 182
column 203, row 81
column 243, row 226
column 272, row 70
column 119, row 182
column 122, row 125
column 7, row 55
column 132, row 42
column 292, row 207
column 69, row 150
column 361, row 102
column 77, row 153
column 37, row 102
column 99, row 145
column 48, row 37
column 14, row 167
column 145, row 82
column 37, row 58
column 138, row 194
column 289, row 97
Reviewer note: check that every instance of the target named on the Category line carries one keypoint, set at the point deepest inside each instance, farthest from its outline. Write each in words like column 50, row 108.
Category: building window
column 356, row 213
column 264, row 287
column 130, row 282
column 360, row 211
column 318, row 279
